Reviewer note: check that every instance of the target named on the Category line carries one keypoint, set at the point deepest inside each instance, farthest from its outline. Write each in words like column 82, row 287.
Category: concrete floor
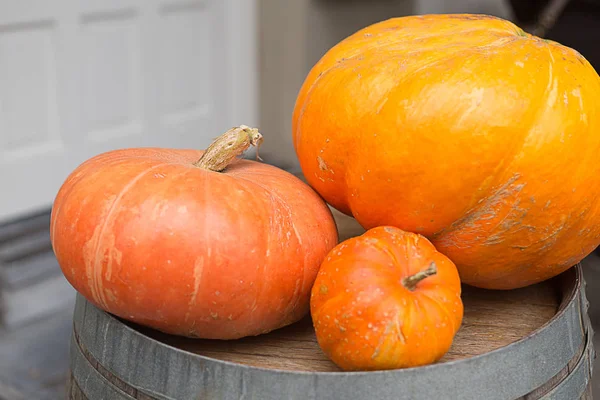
column 34, row 359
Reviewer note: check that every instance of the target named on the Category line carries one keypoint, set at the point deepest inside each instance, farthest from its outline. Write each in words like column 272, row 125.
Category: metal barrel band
column 589, row 328
column 576, row 383
column 541, row 392
column 74, row 391
column 99, row 371
column 573, row 380
column 87, row 383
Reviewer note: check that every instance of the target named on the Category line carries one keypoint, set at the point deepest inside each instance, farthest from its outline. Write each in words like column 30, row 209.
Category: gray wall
column 499, row 8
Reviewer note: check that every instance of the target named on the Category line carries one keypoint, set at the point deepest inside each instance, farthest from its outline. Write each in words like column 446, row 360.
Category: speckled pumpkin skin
column 148, row 236
column 465, row 129
column 364, row 316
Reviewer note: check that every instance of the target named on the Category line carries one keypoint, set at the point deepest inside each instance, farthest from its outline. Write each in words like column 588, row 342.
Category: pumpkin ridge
column 295, row 298
column 504, row 27
column 475, row 212
column 427, row 303
column 309, row 91
column 425, row 294
column 396, row 324
column 505, row 162
column 425, row 311
column 277, row 200
column 96, row 262
column 205, row 259
column 385, row 249
column 591, row 209
column 535, row 121
column 198, row 273
column 478, row 212
column 462, row 46
column 262, row 274
column 73, row 180
column 496, row 237
column 564, row 230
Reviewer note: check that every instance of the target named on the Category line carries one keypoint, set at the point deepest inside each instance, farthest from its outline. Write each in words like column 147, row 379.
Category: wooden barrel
column 530, row 343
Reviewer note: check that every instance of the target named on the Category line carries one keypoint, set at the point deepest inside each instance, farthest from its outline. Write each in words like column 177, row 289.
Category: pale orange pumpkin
column 210, row 248
column 385, row 300
column 465, row 129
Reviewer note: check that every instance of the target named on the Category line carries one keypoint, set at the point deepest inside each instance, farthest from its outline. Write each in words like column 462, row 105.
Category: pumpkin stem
column 228, row 146
column 410, row 282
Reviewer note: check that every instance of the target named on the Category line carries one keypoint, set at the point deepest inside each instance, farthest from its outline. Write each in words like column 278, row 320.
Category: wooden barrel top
column 492, row 319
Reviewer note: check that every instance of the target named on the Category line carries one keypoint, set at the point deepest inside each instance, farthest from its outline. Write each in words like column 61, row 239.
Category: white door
column 80, row 77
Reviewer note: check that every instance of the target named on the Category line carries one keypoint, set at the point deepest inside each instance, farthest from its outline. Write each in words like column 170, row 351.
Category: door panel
column 78, row 78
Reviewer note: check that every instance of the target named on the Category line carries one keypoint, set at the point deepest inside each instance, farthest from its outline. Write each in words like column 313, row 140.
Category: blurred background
column 80, row 78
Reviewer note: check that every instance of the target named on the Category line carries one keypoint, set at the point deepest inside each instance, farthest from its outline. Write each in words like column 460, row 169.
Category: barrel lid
column 510, row 372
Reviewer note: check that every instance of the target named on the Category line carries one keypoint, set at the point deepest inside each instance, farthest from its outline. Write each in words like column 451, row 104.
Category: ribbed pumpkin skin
column 365, row 318
column 466, row 130
column 149, row 237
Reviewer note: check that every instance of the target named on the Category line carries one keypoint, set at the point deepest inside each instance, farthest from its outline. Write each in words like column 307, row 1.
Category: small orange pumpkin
column 190, row 242
column 384, row 300
column 465, row 129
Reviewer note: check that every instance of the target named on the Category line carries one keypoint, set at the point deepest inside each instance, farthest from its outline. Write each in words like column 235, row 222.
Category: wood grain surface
column 492, row 319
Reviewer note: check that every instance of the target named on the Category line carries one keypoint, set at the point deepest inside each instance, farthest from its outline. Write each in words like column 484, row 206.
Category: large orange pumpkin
column 386, row 300
column 188, row 247
column 465, row 129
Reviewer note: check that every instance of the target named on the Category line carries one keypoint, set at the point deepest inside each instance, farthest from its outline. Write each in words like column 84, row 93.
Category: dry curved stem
column 228, row 147
column 410, row 282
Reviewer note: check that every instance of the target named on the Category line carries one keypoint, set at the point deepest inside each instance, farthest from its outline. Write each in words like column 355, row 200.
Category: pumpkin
column 385, row 300
column 465, row 129
column 192, row 243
